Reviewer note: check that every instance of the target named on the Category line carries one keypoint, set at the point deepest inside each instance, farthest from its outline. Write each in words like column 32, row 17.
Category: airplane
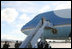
column 56, row 27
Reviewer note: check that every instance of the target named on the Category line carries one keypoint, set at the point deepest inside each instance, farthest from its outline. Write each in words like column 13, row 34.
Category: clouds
column 3, row 36
column 9, row 15
column 24, row 18
column 61, row 5
column 35, row 6
column 13, row 35
column 21, row 6
column 45, row 8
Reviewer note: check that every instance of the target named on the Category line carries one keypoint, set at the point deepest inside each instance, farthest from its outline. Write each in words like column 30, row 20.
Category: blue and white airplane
column 61, row 27
column 48, row 25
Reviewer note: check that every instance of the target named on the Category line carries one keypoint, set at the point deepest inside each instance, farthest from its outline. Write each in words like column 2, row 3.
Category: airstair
column 35, row 35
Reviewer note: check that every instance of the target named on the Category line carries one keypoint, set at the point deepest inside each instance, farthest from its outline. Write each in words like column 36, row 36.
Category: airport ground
column 52, row 44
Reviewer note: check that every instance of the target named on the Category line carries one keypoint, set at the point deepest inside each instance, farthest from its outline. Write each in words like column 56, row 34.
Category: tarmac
column 53, row 45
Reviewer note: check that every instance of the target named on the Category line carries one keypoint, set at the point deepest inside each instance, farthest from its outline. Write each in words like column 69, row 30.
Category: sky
column 15, row 14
